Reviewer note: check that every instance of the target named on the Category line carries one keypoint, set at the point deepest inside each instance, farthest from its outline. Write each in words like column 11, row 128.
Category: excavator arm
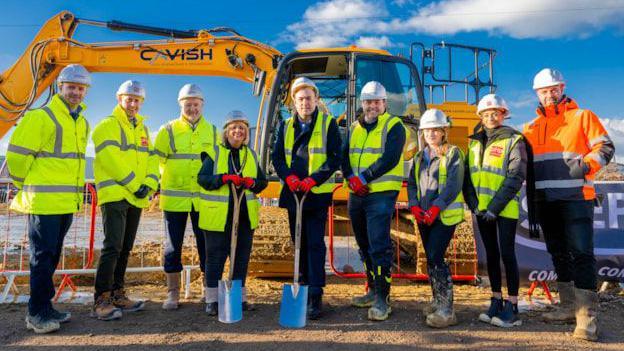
column 182, row 52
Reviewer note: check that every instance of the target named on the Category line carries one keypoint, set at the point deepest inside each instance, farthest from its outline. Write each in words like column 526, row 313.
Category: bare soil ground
column 342, row 328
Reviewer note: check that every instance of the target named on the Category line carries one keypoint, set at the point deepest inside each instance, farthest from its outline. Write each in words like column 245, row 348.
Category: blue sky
column 584, row 39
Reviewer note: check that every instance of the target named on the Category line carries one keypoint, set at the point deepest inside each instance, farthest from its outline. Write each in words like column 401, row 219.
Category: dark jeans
column 313, row 249
column 175, row 225
column 499, row 239
column 120, row 221
column 568, row 228
column 46, row 234
column 371, row 219
column 218, row 249
column 436, row 239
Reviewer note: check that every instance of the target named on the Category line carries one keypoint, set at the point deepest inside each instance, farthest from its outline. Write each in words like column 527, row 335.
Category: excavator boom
column 194, row 52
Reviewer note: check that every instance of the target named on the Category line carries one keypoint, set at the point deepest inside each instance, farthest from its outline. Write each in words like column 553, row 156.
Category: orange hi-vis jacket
column 569, row 146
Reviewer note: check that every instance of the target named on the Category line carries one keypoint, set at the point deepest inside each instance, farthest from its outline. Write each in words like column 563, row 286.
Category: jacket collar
column 122, row 117
column 557, row 110
column 58, row 104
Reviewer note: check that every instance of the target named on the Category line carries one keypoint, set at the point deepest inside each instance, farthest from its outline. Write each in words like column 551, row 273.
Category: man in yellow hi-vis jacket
column 179, row 144
column 126, row 172
column 46, row 159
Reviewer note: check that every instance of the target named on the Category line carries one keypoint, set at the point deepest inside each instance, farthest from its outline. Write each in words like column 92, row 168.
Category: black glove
column 142, row 192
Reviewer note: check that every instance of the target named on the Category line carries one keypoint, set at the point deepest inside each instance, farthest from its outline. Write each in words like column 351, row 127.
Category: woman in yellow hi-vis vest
column 230, row 162
column 497, row 166
column 436, row 201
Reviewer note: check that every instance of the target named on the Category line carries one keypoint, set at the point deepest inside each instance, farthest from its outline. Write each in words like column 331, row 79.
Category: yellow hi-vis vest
column 46, row 160
column 365, row 148
column 317, row 148
column 454, row 212
column 489, row 173
column 124, row 159
column 213, row 204
column 179, row 148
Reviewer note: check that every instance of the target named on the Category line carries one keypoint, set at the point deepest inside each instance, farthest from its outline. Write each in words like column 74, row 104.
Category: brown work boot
column 103, row 308
column 173, row 292
column 122, row 301
column 586, row 312
column 564, row 313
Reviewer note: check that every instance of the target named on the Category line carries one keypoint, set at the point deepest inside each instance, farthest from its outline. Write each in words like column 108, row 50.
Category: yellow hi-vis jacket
column 214, row 204
column 46, row 160
column 179, row 147
column 488, row 174
column 124, row 159
column 317, row 148
column 454, row 212
column 365, row 148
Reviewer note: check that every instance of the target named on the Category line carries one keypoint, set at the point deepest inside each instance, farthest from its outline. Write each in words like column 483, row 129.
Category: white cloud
column 374, row 42
column 615, row 128
column 341, row 22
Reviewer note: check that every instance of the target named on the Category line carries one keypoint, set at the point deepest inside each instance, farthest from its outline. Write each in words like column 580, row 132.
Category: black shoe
column 508, row 316
column 315, row 307
column 212, row 308
column 248, row 306
column 496, row 306
column 61, row 317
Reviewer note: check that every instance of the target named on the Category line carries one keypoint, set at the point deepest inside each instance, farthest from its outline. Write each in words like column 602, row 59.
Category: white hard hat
column 75, row 73
column 235, row 116
column 547, row 77
column 300, row 83
column 190, row 91
column 373, row 91
column 434, row 118
column 131, row 87
column 491, row 101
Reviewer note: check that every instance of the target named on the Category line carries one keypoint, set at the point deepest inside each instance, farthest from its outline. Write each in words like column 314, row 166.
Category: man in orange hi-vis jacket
column 569, row 146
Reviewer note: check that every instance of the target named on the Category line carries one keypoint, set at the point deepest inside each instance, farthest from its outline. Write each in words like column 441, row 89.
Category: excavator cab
column 340, row 75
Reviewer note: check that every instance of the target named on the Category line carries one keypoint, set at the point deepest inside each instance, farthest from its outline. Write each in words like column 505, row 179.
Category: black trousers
column 121, row 221
column 499, row 240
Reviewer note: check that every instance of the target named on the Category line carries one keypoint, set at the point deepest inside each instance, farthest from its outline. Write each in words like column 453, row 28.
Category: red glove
column 418, row 213
column 293, row 183
column 307, row 184
column 431, row 215
column 248, row 182
column 232, row 178
column 355, row 184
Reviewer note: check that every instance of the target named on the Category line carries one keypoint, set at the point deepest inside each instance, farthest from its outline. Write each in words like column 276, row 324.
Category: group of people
column 195, row 168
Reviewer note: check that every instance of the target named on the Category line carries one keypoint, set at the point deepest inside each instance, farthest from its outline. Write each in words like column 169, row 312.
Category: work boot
column 507, row 317
column 103, row 308
column 315, row 309
column 212, row 296
column 42, row 323
column 565, row 311
column 434, row 304
column 367, row 299
column 173, row 292
column 247, row 306
column 496, row 306
column 121, row 300
column 586, row 313
column 61, row 317
column 380, row 311
column 212, row 308
column 444, row 316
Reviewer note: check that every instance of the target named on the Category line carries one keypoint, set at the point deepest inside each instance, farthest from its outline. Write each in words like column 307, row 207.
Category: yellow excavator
column 339, row 73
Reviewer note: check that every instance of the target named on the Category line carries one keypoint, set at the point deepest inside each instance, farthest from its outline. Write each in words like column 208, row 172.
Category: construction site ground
column 342, row 328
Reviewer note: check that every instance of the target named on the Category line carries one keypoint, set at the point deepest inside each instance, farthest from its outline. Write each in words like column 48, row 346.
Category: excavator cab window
column 400, row 79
